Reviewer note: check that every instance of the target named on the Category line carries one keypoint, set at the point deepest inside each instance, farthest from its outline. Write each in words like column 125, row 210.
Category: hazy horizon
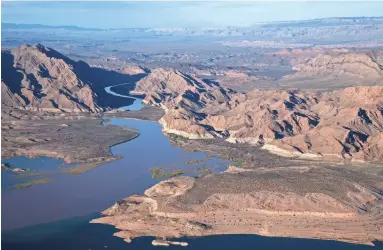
column 178, row 14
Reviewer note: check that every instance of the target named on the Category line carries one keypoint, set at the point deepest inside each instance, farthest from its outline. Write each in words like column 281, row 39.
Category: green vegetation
column 191, row 162
column 177, row 137
column 195, row 161
column 159, row 173
column 226, row 156
column 83, row 168
column 32, row 183
column 5, row 167
column 31, row 174
column 204, row 172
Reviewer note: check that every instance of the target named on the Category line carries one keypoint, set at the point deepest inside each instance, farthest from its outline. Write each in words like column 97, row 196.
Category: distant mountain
column 41, row 26
column 327, row 31
column 315, row 32
column 326, row 22
column 359, row 65
column 334, row 21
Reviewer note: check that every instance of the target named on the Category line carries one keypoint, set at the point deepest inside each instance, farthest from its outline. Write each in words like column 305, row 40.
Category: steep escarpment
column 343, row 124
column 174, row 87
column 303, row 202
column 183, row 97
column 40, row 78
column 36, row 77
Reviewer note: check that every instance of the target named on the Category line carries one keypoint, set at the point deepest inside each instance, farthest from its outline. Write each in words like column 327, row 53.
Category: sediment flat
column 147, row 113
column 75, row 138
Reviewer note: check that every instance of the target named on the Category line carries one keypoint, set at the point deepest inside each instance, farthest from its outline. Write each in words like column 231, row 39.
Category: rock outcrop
column 183, row 97
column 39, row 78
column 343, row 124
column 177, row 88
column 133, row 70
column 340, row 125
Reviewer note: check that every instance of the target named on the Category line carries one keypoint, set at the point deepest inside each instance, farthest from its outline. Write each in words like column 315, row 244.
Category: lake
column 56, row 215
column 78, row 234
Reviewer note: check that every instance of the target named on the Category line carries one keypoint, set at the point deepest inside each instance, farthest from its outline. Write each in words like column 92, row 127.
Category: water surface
column 93, row 191
column 136, row 105
column 70, row 202
column 78, row 234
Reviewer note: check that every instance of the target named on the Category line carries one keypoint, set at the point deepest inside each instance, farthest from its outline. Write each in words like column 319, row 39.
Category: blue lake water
column 32, row 165
column 93, row 191
column 56, row 215
column 136, row 105
column 78, row 234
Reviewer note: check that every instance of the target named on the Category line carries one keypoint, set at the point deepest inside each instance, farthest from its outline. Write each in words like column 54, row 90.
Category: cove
column 68, row 196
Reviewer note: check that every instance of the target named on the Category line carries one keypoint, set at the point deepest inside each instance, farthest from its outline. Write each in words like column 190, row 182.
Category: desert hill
column 335, row 69
column 341, row 124
column 345, row 124
column 182, row 96
column 40, row 78
column 353, row 64
column 166, row 85
column 33, row 77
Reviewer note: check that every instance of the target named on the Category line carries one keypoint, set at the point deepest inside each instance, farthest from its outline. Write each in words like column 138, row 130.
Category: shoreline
column 168, row 211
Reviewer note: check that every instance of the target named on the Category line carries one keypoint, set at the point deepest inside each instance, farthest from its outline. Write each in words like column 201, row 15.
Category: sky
column 172, row 14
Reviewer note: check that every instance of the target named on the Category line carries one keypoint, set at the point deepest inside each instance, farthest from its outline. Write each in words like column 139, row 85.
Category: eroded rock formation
column 182, row 96
column 40, row 78
column 335, row 125
column 36, row 77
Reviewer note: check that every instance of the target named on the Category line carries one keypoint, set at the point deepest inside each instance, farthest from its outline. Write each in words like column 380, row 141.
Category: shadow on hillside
column 96, row 78
column 10, row 76
column 99, row 78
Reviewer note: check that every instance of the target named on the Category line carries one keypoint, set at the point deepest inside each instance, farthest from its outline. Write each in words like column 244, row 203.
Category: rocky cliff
column 36, row 77
column 183, row 97
column 40, row 78
column 175, row 87
column 341, row 125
